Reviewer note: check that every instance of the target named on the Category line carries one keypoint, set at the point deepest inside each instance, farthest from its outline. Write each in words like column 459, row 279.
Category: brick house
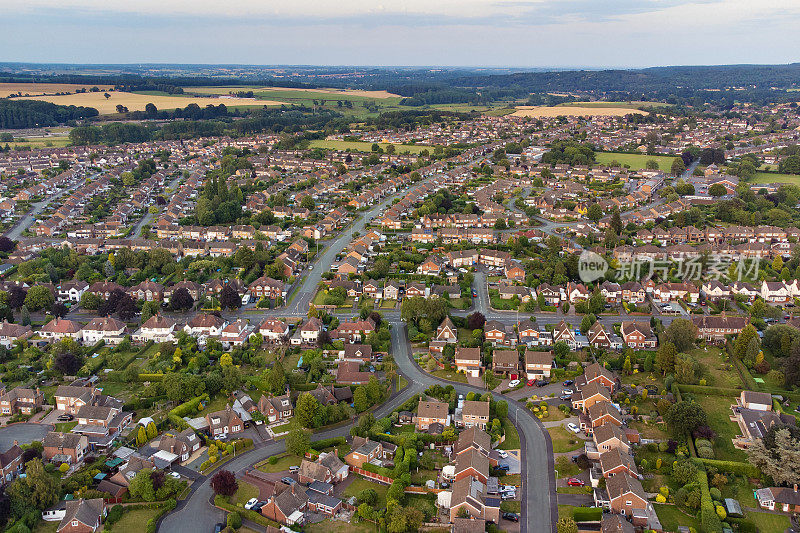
column 83, row 516
column 431, row 412
column 68, row 448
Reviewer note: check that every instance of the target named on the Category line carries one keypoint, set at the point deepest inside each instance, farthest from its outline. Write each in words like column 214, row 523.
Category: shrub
column 234, row 520
column 661, row 498
column 716, row 494
column 700, row 443
column 63, row 468
column 705, row 452
column 664, row 491
column 114, row 514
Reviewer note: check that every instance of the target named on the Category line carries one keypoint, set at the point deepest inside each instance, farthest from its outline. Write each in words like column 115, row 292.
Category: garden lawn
column 244, row 493
column 718, row 373
column 671, row 517
column 768, row 522
column 563, row 440
column 511, row 506
column 718, row 409
column 361, row 483
column 337, row 526
column 635, row 161
column 66, row 427
column 46, row 527
column 574, row 490
column 566, row 468
column 283, row 464
column 133, row 521
column 512, row 436
column 452, row 375
column 649, row 431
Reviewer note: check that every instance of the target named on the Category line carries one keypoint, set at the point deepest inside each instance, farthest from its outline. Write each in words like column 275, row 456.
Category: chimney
column 795, row 487
column 16, row 443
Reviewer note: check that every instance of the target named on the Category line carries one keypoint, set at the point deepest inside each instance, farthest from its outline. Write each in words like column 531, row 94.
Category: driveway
column 24, row 433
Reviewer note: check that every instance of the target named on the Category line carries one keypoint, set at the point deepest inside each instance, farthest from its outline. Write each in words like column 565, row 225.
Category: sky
column 497, row 33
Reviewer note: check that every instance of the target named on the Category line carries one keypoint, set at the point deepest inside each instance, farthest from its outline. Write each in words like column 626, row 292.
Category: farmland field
column 636, row 104
column 635, row 161
column 309, row 93
column 34, row 89
column 359, row 146
column 574, row 111
column 774, row 177
column 56, row 141
column 137, row 102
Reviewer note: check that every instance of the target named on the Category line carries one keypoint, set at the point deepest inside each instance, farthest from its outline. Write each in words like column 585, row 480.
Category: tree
column 561, row 349
column 684, row 472
column 717, row 190
column 566, row 524
column 678, row 167
column 682, row 333
column 616, row 222
column 306, row 410
column 181, row 300
column 595, row 212
column 224, row 483
column 277, row 378
column 684, row 417
column 152, row 430
column 743, row 340
column 38, row 488
column 231, row 378
column 298, row 442
column 141, row 485
column 665, row 358
column 90, row 301
column 141, row 436
column 58, row 310
column 229, row 298
column 6, row 244
column 225, row 360
column 234, row 520
column 476, row 320
column 360, row 400
column 39, row 297
column 68, row 362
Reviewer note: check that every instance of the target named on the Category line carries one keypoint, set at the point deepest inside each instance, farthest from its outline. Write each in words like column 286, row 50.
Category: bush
column 327, row 443
column 114, row 514
column 234, row 520
column 716, row 494
column 661, row 498
column 63, row 468
column 733, row 467
column 706, row 452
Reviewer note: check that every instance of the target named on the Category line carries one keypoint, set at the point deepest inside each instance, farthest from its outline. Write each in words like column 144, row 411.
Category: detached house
column 637, row 334
column 468, row 360
column 276, row 408
column 224, row 422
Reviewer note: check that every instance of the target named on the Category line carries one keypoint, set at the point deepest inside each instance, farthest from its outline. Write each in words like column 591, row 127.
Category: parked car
column 474, row 293
column 568, row 382
column 513, row 383
column 543, row 382
column 575, row 482
column 174, row 475
column 566, row 392
column 531, row 382
column 294, row 468
column 573, row 427
column 508, row 495
column 219, row 527
column 566, row 397
column 251, row 503
column 513, row 517
column 504, row 467
column 502, row 453
column 288, row 480
column 66, row 417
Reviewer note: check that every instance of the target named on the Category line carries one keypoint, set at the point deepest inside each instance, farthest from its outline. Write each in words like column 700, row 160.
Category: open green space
column 512, row 436
column 452, row 375
column 244, row 493
column 768, row 522
column 563, row 440
column 718, row 373
column 359, row 146
column 360, row 483
column 774, row 177
column 337, row 526
column 284, row 462
column 40, row 142
column 635, row 161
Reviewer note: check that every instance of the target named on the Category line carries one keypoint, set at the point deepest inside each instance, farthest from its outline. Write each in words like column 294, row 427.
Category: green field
column 636, row 104
column 361, row 483
column 671, row 517
column 774, row 177
column 512, row 436
column 718, row 409
column 635, row 161
column 58, row 141
column 563, row 440
column 358, row 146
column 284, row 462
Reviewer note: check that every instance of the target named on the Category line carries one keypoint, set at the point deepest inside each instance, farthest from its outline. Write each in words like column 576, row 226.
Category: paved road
column 36, row 208
column 148, row 216
column 23, row 433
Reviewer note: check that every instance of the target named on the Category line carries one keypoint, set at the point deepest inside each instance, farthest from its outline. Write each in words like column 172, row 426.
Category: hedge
column 151, row 377
column 152, row 524
column 749, row 382
column 380, row 470
column 708, row 514
column 583, row 514
column 734, row 467
column 709, row 391
column 304, row 387
column 248, row 514
column 744, row 526
column 190, row 407
column 326, row 443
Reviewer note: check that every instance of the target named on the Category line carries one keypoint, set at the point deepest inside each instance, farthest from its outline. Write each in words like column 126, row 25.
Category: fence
column 370, row 475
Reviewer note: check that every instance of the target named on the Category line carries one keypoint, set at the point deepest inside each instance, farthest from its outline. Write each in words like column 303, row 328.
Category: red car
column 575, row 482
column 531, row 382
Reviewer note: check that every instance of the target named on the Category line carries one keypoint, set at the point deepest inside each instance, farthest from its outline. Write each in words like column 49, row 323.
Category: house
column 9, row 333
column 348, row 373
column 148, row 291
column 183, row 444
column 775, row 292
column 70, row 398
column 286, row 505
column 469, row 496
column 552, row 295
column 612, row 292
column 506, row 363
column 276, row 408
column 589, row 395
column 67, row 448
column 614, row 523
column 538, row 364
column 205, row 324
column 609, row 437
column 10, row 463
column 473, row 438
column 60, row 328
column 755, row 416
column 82, row 516
column 157, row 328
column 359, row 353
column 363, row 450
column 625, row 494
column 21, row 400
column 471, row 464
column 758, row 401
column 475, row 414
column 615, row 462
column 235, row 333
column 311, row 471
column 600, row 338
column 714, row 328
column 274, row 330
column 309, row 332
column 514, row 271
column 786, row 499
column 715, row 290
column 107, row 329
column 468, row 360
column 563, row 332
column 599, row 414
column 354, row 332
column 266, row 287
column 432, row 412
column 224, row 422
column 637, row 334
column 71, row 291
column 494, row 331
column 595, row 373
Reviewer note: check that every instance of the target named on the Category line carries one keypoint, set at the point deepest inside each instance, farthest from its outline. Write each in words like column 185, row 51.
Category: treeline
column 412, row 119
column 191, row 112
column 261, row 121
column 147, row 85
column 18, row 114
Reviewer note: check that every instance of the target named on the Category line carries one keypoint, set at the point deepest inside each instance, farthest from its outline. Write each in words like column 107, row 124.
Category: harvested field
column 137, row 102
column 34, row 89
column 332, row 92
column 573, row 111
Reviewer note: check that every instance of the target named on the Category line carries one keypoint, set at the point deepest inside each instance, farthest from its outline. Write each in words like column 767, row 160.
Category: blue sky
column 518, row 33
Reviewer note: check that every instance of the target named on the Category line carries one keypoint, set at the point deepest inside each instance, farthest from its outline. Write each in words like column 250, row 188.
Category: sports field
column 137, row 102
column 774, row 177
column 635, row 161
column 574, row 111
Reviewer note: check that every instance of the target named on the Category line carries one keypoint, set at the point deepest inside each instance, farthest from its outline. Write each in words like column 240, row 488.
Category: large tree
column 778, row 454
column 229, row 298
column 224, row 483
column 306, row 410
column 37, row 488
column 682, row 333
column 181, row 300
column 298, row 442
column 39, row 297
column 684, row 417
